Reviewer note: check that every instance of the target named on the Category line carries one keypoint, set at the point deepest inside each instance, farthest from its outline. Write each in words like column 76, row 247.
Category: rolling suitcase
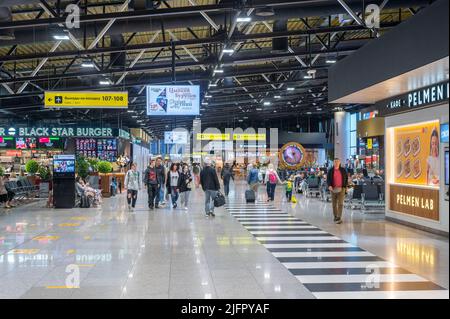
column 250, row 196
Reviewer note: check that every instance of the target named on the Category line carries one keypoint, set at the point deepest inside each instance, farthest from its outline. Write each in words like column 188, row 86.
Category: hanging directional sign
column 86, row 100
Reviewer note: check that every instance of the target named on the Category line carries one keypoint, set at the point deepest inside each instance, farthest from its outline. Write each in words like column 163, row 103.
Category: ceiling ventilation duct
column 6, row 16
column 118, row 59
column 280, row 45
column 144, row 4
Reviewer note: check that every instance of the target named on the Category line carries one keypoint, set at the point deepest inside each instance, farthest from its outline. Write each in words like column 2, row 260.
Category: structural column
column 342, row 135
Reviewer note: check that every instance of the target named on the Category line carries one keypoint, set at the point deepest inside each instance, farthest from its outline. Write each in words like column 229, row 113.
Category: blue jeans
column 174, row 194
column 160, row 194
column 209, row 201
column 271, row 190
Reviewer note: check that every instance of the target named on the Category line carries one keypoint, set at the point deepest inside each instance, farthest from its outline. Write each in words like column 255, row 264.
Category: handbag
column 219, row 200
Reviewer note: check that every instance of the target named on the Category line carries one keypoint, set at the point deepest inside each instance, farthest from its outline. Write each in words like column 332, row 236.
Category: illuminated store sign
column 57, row 131
column 421, row 202
column 424, row 97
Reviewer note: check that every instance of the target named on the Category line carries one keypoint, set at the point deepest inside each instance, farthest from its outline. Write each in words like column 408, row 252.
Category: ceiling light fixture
column 291, row 89
column 265, row 12
column 267, row 103
column 213, row 85
column 243, row 19
column 330, row 61
column 208, row 96
column 229, row 51
column 104, row 82
column 218, row 71
column 277, row 96
column 87, row 64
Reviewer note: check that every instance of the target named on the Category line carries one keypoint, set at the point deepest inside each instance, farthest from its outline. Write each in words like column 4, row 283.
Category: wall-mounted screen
column 175, row 137
column 7, row 142
column 446, row 168
column 86, row 147
column 25, row 143
column 107, row 149
column 173, row 100
column 50, row 143
column 444, row 133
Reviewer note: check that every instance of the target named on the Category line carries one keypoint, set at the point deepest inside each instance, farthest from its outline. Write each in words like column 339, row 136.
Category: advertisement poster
column 173, row 100
column 173, row 137
column 417, row 160
column 292, row 156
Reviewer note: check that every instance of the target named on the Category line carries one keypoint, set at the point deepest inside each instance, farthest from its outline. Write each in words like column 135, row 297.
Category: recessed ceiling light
column 330, row 61
column 205, row 103
column 230, row 51
column 259, row 109
column 277, row 96
column 87, row 64
column 104, row 82
column 267, row 103
column 243, row 19
column 208, row 96
column 291, row 89
column 308, row 113
column 307, row 77
column 61, row 37
column 213, row 85
column 218, row 71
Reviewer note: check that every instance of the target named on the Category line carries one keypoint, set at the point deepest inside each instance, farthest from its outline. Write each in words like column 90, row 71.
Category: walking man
column 210, row 184
column 161, row 176
column 227, row 174
column 337, row 181
column 151, row 182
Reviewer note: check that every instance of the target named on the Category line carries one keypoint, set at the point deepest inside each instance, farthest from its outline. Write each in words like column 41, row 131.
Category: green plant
column 82, row 167
column 32, row 167
column 93, row 163
column 2, row 171
column 44, row 172
column 104, row 167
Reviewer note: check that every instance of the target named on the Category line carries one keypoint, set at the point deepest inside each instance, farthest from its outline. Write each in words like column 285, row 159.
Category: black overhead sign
column 424, row 97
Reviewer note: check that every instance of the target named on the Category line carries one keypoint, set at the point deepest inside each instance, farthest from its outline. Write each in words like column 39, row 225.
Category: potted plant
column 82, row 167
column 105, row 168
column 93, row 177
column 44, row 185
column 32, row 167
column 2, row 171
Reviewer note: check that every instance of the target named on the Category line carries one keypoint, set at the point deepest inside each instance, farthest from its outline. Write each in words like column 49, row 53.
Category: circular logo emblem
column 292, row 155
column 12, row 131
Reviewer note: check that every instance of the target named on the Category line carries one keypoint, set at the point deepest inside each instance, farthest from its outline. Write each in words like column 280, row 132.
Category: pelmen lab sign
column 100, row 100
column 57, row 132
column 428, row 96
column 421, row 202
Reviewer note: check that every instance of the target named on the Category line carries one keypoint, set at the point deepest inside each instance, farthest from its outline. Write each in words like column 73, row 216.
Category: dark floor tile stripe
column 294, row 235
column 326, row 259
column 299, row 241
column 346, row 271
column 313, row 249
column 383, row 286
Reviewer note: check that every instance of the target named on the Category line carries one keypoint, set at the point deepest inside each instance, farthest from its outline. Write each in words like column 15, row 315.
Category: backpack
column 272, row 178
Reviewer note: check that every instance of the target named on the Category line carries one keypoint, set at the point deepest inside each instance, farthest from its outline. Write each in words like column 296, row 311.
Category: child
column 289, row 185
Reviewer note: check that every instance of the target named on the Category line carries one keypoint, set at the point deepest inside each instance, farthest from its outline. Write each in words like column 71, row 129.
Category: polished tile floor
column 278, row 250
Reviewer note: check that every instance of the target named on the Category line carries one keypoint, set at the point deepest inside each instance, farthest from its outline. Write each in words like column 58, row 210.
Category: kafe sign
column 57, row 131
column 428, row 96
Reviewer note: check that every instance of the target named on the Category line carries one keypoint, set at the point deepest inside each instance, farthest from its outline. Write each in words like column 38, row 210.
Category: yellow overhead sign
column 213, row 137
column 101, row 100
column 249, row 137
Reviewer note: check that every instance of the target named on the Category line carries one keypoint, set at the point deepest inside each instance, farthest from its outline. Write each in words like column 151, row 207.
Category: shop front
column 417, row 157
column 371, row 143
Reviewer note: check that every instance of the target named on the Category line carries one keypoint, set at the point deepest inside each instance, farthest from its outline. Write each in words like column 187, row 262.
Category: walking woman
column 133, row 185
column 271, row 181
column 173, row 187
column 185, row 184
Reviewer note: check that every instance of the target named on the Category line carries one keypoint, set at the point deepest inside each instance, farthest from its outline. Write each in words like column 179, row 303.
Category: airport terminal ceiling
column 260, row 61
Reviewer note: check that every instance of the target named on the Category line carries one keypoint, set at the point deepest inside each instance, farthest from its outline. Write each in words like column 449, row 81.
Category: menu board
column 107, row 149
column 50, row 143
column 25, row 143
column 7, row 142
column 86, row 147
column 417, row 160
